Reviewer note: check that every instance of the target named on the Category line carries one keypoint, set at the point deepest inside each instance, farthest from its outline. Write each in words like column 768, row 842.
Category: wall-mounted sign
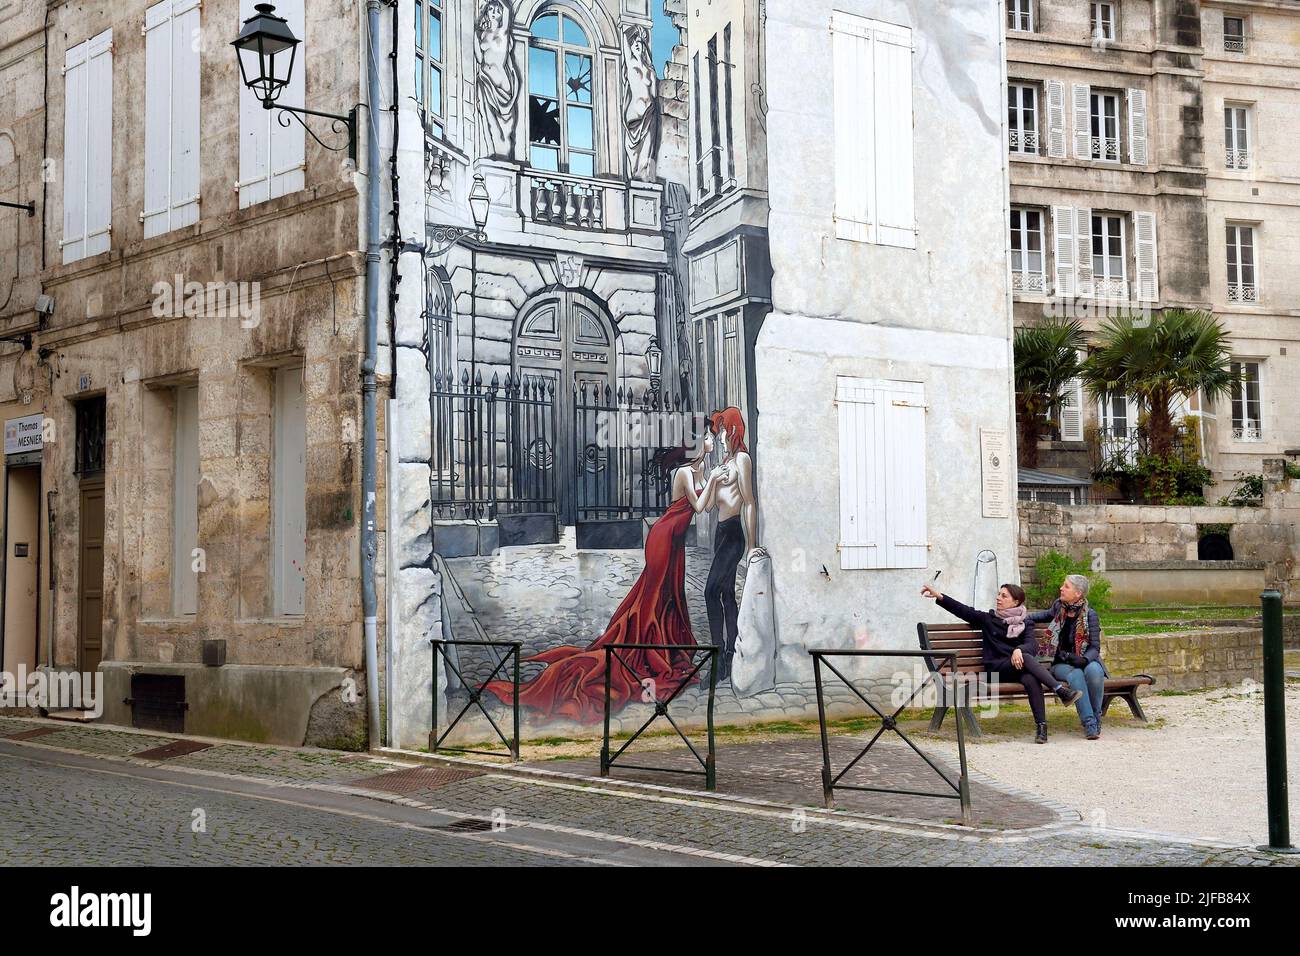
column 995, row 463
column 83, row 382
column 23, row 434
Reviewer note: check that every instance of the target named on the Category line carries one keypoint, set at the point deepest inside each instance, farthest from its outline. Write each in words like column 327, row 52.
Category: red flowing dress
column 654, row 612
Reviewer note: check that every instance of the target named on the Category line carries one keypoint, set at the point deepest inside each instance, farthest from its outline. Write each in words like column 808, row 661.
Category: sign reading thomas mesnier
column 995, row 451
column 23, row 434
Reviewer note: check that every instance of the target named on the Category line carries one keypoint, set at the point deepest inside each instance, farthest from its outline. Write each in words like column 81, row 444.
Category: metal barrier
column 661, row 708
column 831, row 780
column 476, row 696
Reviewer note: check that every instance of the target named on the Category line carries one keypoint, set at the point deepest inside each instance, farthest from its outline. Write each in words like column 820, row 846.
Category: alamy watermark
column 211, row 300
column 53, row 690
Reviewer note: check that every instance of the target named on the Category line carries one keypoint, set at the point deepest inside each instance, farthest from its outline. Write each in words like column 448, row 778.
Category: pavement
column 75, row 794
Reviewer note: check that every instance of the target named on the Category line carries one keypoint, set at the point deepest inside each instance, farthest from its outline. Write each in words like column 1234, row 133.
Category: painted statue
column 653, row 612
column 498, row 81
column 640, row 104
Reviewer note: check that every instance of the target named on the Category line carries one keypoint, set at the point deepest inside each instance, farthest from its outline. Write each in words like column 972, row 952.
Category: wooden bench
column 968, row 643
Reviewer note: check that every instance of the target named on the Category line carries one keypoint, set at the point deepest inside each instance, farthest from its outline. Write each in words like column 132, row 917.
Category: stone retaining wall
column 1189, row 660
column 1123, row 535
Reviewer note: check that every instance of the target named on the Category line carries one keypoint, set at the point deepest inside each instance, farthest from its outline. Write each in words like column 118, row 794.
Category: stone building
column 185, row 333
column 584, row 190
column 1148, row 171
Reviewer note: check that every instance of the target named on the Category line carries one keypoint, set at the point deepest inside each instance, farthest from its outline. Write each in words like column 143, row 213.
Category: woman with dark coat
column 1010, row 649
column 1076, row 639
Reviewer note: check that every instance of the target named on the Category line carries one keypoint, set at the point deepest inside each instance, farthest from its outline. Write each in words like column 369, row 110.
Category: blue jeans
column 1092, row 681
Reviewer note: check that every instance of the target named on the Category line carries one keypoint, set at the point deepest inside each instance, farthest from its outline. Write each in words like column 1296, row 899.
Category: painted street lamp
column 267, row 51
column 654, row 357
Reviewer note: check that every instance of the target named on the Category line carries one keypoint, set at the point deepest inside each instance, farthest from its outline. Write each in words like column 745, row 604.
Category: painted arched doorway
column 566, row 338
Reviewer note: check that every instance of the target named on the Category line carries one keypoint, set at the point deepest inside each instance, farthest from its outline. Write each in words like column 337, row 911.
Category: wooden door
column 90, row 593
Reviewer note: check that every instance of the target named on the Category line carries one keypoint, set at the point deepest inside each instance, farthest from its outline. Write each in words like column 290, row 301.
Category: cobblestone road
column 77, row 803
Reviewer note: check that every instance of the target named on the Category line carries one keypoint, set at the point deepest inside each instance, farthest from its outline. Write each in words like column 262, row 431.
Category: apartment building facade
column 181, row 369
column 1130, row 128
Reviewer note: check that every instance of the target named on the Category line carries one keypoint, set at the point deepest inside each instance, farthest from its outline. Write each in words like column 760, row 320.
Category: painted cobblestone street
column 69, row 799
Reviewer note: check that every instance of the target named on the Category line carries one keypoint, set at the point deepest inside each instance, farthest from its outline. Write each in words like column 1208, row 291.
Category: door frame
column 566, row 369
column 18, row 463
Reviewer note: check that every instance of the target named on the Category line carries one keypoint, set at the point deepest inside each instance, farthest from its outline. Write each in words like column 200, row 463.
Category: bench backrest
column 962, row 638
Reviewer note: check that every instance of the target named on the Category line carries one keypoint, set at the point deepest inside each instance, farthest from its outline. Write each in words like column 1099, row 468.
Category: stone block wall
column 1188, row 661
column 1131, row 534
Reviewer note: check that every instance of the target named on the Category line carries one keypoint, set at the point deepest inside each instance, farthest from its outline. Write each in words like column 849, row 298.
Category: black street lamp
column 267, row 50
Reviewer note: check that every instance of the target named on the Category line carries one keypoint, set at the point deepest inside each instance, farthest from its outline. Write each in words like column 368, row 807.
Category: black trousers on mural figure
column 1036, row 680
column 720, row 589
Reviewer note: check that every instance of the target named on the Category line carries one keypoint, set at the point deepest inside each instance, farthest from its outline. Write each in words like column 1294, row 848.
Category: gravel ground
column 1200, row 774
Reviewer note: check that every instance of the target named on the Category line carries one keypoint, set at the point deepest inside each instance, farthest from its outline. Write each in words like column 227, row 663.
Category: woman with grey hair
column 1075, row 646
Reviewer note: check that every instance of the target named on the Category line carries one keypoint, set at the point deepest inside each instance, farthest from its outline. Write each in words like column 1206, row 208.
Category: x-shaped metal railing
column 831, row 780
column 707, row 763
column 511, row 649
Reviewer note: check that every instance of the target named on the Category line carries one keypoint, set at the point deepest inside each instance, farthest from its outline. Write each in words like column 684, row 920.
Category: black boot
column 1041, row 736
column 1066, row 695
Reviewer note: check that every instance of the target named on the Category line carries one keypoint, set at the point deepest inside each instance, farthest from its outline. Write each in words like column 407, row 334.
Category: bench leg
column 972, row 725
column 1132, row 699
column 936, row 721
column 1105, row 703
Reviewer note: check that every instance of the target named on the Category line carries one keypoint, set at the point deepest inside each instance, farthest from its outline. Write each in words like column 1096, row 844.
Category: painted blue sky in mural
column 663, row 37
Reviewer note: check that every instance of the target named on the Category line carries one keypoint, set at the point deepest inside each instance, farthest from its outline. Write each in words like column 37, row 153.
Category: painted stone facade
column 630, row 161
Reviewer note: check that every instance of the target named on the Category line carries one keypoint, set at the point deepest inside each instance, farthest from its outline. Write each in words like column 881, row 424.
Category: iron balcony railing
column 1105, row 147
column 1242, row 292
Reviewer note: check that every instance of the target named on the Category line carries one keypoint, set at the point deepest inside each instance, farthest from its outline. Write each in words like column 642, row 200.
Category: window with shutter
column 1082, row 121
column 1064, row 250
column 87, row 147
column 874, row 156
column 1083, row 248
column 1137, row 127
column 273, row 158
column 1072, row 411
column 1144, row 239
column 1056, row 119
column 171, row 174
column 883, row 520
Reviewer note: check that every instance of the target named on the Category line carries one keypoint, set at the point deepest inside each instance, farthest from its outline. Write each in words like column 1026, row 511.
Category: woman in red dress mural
column 654, row 612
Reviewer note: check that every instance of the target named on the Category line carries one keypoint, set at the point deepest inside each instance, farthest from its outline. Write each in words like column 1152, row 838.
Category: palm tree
column 1157, row 360
column 1047, row 358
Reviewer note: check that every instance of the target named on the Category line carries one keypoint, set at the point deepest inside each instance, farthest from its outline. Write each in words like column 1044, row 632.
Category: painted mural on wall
column 591, row 442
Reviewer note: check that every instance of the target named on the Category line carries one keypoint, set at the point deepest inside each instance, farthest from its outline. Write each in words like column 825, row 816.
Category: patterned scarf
column 1047, row 646
column 1014, row 618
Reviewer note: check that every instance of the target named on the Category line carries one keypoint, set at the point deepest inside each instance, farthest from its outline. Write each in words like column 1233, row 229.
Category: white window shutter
column 1064, row 249
column 75, row 71
column 1083, row 245
column 99, row 143
column 895, row 176
column 1148, row 277
column 157, row 118
column 272, row 157
column 1056, row 119
column 905, row 477
column 882, row 474
column 854, row 128
column 185, row 113
column 1072, row 411
column 861, row 475
column 289, row 144
column 1082, row 121
column 171, row 193
column 1137, row 127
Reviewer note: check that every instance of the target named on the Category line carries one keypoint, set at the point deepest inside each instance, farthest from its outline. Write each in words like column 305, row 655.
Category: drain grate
column 31, row 734
column 469, row 825
column 177, row 748
column 415, row 780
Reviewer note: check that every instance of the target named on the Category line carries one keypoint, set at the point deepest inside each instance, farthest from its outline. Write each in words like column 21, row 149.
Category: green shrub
column 1051, row 570
column 1249, row 492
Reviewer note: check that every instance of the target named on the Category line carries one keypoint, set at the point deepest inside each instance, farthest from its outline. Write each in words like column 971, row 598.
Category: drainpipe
column 369, row 604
